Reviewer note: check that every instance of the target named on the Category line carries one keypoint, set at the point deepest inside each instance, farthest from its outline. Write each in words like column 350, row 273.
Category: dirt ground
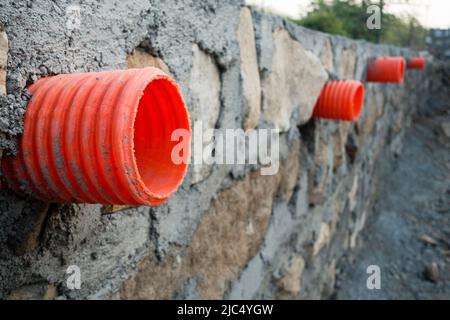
column 408, row 234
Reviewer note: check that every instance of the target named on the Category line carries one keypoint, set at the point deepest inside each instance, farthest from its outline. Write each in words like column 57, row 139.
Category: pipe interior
column 358, row 100
column 161, row 110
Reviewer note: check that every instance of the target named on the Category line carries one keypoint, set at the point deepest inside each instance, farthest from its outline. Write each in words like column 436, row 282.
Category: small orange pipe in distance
column 101, row 137
column 416, row 63
column 386, row 69
column 340, row 100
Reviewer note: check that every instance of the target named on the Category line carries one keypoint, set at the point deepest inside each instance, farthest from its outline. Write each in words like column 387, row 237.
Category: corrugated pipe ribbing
column 102, row 137
column 340, row 100
column 386, row 69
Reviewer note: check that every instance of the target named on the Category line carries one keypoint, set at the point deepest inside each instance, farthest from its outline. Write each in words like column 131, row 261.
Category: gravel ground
column 408, row 234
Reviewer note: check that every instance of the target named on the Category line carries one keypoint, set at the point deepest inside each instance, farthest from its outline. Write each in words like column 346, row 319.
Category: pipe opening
column 416, row 63
column 402, row 69
column 161, row 110
column 358, row 100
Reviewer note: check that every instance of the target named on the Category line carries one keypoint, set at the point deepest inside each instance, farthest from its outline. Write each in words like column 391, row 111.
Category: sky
column 431, row 13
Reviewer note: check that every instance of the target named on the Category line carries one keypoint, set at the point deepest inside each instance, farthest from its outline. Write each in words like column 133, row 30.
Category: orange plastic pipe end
column 386, row 69
column 102, row 137
column 340, row 100
column 416, row 63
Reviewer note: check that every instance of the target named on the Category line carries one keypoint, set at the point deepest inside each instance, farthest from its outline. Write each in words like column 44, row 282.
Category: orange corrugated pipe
column 101, row 137
column 386, row 69
column 340, row 100
column 416, row 63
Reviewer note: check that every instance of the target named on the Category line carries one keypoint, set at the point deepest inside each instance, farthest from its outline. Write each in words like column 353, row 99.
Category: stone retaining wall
column 229, row 232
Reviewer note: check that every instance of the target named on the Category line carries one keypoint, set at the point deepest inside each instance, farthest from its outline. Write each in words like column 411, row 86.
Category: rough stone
column 326, row 56
column 445, row 126
column 39, row 291
column 3, row 60
column 205, row 89
column 398, row 123
column 352, row 148
column 339, row 144
column 141, row 59
column 250, row 280
column 380, row 103
column 348, row 63
column 251, row 85
column 329, row 283
column 358, row 227
column 228, row 236
column 115, row 208
column 290, row 172
column 319, row 173
column 323, row 238
column 428, row 240
column 294, row 84
column 352, row 195
column 395, row 97
column 367, row 122
column 290, row 282
column 30, row 240
column 431, row 272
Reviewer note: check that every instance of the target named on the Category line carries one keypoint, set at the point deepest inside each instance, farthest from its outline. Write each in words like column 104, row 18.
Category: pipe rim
column 144, row 189
column 357, row 100
column 401, row 69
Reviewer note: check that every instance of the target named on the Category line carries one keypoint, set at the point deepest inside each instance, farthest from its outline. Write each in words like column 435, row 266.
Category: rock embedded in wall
column 229, row 235
column 326, row 56
column 445, row 127
column 32, row 227
column 205, row 88
column 366, row 124
column 330, row 280
column 398, row 122
column 380, row 103
column 322, row 239
column 340, row 140
column 290, row 282
column 251, row 85
column 110, row 209
column 290, row 172
column 3, row 60
column 294, row 84
column 348, row 63
column 232, row 231
column 320, row 171
column 141, row 59
column 39, row 291
column 357, row 228
column 395, row 97
column 352, row 195
column 336, row 210
column 4, row 46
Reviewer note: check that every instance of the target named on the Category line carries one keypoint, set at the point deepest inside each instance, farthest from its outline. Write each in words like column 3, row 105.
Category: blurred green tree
column 348, row 18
